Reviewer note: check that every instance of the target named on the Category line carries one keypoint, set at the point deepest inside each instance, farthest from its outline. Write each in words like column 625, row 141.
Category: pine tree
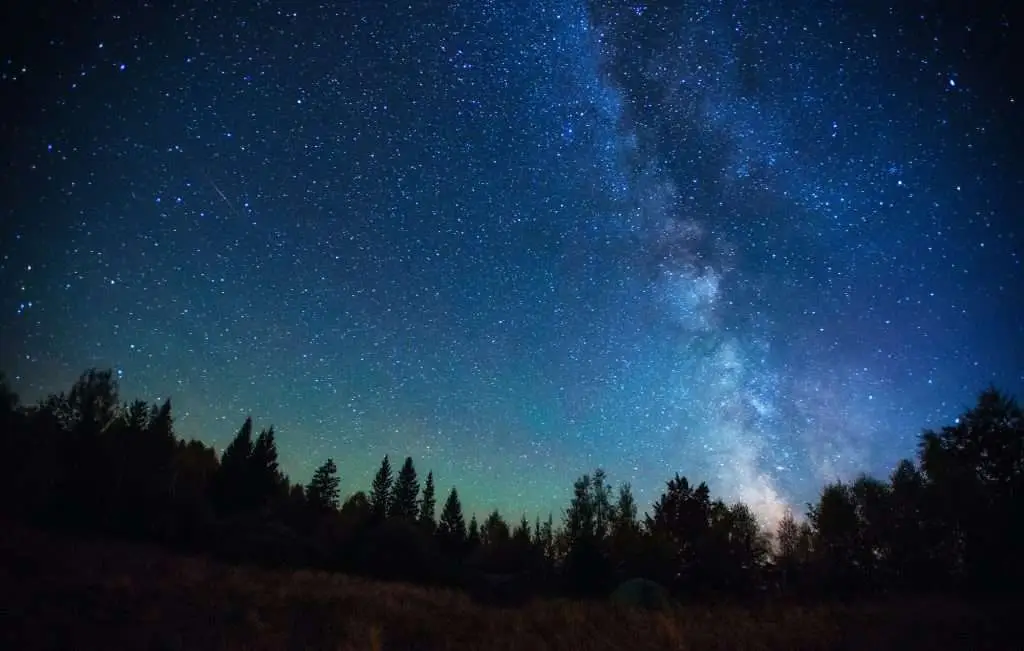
column 586, row 566
column 579, row 518
column 230, row 483
column 428, row 505
column 624, row 541
column 264, row 474
column 547, row 537
column 473, row 534
column 404, row 496
column 451, row 528
column 624, row 513
column 322, row 493
column 380, row 491
column 521, row 535
column 495, row 531
column 601, row 500
column 237, row 454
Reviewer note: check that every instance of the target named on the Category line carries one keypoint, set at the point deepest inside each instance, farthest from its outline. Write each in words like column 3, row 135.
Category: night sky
column 758, row 243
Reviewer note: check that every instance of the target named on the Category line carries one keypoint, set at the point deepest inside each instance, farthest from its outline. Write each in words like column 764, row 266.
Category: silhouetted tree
column 625, row 538
column 380, row 491
column 495, row 530
column 428, row 504
column 586, row 568
column 195, row 468
column 356, row 512
column 451, row 528
column 792, row 553
column 265, row 478
column 142, row 467
column 472, row 534
column 85, row 487
column 84, row 461
column 681, row 520
column 836, row 537
column 873, row 501
column 915, row 546
column 975, row 470
column 734, row 552
column 322, row 493
column 600, row 498
column 404, row 502
column 231, row 481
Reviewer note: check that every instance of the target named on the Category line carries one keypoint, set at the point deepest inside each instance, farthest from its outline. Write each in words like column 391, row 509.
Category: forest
column 83, row 463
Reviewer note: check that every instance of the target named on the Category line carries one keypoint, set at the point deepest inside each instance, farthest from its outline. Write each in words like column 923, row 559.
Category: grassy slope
column 59, row 594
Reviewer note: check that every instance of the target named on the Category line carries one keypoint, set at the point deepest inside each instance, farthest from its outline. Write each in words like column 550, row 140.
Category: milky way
column 757, row 243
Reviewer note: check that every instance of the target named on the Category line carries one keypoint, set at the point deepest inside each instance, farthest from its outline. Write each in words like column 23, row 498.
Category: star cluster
column 758, row 243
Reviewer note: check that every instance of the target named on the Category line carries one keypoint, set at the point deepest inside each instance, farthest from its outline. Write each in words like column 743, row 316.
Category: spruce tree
column 322, row 493
column 495, row 531
column 380, row 491
column 230, row 481
column 404, row 497
column 624, row 513
column 521, row 535
column 265, row 476
column 601, row 500
column 580, row 525
column 428, row 504
column 473, row 534
column 451, row 528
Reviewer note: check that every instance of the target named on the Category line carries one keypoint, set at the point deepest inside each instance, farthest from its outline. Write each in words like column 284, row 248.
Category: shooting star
column 223, row 196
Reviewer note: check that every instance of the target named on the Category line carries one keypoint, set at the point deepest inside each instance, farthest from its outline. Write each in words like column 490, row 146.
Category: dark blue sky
column 757, row 243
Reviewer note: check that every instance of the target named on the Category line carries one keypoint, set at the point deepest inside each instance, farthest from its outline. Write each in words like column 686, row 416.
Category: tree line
column 951, row 521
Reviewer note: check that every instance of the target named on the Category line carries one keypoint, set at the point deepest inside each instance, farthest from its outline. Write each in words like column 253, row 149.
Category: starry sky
column 762, row 244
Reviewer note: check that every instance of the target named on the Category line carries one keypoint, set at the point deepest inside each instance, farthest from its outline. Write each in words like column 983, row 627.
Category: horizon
column 348, row 486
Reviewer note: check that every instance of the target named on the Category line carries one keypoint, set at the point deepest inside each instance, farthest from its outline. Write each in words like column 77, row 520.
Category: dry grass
column 72, row 595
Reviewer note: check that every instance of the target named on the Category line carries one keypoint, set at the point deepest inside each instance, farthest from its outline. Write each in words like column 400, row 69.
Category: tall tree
column 837, row 537
column 406, row 491
column 586, row 565
column 787, row 540
column 495, row 530
column 265, row 478
column 93, row 400
column 625, row 539
column 547, row 537
column 322, row 492
column 975, row 472
column 919, row 543
column 380, row 491
column 230, row 483
column 85, row 458
column 580, row 517
column 428, row 504
column 624, row 513
column 521, row 535
column 473, row 533
column 681, row 519
column 734, row 551
column 873, row 500
column 601, row 492
column 451, row 528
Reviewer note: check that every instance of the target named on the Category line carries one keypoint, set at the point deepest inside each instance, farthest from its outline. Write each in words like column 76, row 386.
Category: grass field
column 62, row 594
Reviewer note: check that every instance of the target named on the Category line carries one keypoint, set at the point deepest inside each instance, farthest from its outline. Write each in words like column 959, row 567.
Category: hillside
column 64, row 594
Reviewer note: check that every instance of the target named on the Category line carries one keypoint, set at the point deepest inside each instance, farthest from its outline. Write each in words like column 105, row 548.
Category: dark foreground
column 62, row 594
